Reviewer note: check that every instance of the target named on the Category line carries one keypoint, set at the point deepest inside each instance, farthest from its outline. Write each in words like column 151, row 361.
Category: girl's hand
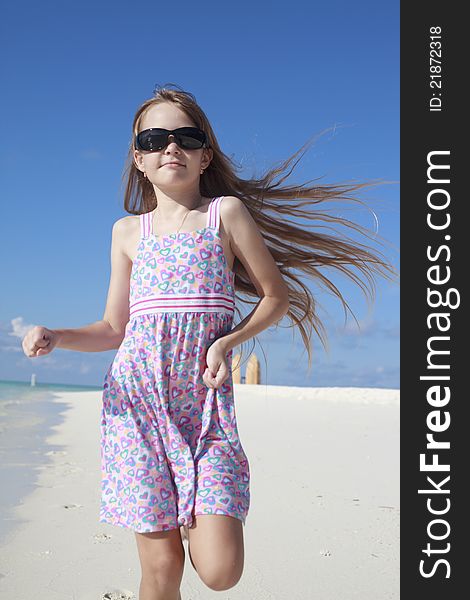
column 39, row 341
column 217, row 369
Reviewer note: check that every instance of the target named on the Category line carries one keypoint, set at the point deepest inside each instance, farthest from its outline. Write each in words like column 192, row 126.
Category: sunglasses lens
column 191, row 138
column 154, row 139
column 151, row 140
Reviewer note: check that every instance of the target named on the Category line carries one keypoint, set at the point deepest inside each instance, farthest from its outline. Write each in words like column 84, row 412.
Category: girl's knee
column 222, row 578
column 161, row 559
column 163, row 574
column 163, row 571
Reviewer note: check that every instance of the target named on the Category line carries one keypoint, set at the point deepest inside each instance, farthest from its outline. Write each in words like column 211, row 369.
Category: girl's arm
column 96, row 337
column 107, row 333
column 249, row 247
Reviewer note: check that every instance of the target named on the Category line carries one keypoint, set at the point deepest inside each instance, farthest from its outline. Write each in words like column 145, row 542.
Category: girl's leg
column 161, row 555
column 216, row 550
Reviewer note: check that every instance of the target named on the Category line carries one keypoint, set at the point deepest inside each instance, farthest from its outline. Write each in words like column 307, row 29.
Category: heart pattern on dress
column 170, row 447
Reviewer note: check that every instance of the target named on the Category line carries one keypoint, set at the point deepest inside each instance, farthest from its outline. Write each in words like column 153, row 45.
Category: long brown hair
column 293, row 247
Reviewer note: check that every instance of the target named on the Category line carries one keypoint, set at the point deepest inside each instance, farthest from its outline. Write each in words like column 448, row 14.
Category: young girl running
column 173, row 467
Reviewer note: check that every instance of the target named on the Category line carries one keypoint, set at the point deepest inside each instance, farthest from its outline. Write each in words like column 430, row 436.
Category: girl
column 173, row 466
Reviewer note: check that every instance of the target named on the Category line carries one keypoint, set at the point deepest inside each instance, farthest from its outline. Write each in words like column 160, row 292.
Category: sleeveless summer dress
column 170, row 447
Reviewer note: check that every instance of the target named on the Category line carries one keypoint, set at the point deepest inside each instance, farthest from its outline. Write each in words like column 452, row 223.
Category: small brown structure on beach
column 252, row 373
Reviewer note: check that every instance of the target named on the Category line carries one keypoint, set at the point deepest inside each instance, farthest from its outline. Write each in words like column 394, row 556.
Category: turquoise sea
column 26, row 418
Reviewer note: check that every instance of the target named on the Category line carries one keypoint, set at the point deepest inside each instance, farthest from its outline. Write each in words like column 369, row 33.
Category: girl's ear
column 209, row 153
column 138, row 161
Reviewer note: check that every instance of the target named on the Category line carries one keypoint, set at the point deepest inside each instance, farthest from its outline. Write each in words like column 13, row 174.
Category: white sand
column 323, row 521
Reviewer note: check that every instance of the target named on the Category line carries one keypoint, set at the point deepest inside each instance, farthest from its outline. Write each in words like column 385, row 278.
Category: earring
column 145, row 174
column 202, row 171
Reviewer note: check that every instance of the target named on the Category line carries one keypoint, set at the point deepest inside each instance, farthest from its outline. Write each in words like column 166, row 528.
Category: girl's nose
column 171, row 142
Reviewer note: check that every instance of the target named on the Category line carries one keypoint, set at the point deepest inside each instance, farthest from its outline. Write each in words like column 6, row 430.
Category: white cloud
column 362, row 327
column 19, row 327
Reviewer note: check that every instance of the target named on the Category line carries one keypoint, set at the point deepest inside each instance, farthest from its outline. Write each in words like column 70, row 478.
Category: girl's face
column 154, row 164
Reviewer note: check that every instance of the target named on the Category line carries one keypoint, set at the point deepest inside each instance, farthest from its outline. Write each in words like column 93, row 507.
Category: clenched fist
column 39, row 341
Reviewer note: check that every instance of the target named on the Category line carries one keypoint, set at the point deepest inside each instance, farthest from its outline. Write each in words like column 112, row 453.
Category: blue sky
column 269, row 76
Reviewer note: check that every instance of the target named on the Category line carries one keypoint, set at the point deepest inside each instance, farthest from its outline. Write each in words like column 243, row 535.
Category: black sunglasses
column 153, row 139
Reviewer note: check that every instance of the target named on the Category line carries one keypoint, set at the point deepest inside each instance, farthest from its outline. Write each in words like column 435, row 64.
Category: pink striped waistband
column 159, row 303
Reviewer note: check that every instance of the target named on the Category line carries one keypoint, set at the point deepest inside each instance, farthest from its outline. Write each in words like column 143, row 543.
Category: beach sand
column 323, row 521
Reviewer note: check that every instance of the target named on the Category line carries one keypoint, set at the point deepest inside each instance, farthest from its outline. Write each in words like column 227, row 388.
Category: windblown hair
column 295, row 249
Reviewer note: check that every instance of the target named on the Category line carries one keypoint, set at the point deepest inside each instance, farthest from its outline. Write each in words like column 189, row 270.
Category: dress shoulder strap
column 213, row 214
column 146, row 225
